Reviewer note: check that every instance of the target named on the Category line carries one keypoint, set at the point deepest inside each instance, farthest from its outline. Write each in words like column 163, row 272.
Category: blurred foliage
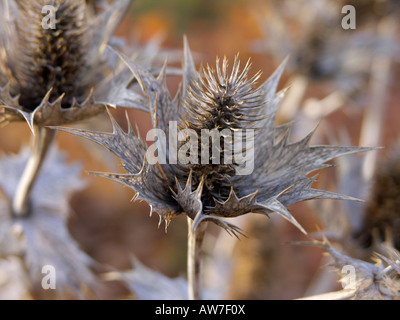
column 183, row 13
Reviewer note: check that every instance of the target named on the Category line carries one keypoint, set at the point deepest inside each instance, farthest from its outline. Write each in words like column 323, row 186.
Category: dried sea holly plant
column 362, row 280
column 62, row 75
column 202, row 190
column 57, row 76
column 54, row 76
column 364, row 235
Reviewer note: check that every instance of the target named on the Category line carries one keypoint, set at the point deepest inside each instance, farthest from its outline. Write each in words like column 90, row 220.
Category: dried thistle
column 365, row 281
column 62, row 75
column 206, row 191
column 215, row 99
column 53, row 76
column 58, row 74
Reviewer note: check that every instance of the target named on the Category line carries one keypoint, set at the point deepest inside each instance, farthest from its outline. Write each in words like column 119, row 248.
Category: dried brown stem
column 41, row 142
column 194, row 258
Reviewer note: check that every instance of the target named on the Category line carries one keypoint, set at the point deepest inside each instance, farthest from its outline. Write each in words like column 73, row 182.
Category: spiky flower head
column 363, row 280
column 226, row 103
column 54, row 66
column 204, row 191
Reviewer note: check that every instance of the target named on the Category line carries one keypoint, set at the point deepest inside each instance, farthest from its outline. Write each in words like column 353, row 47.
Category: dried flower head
column 363, row 280
column 61, row 73
column 204, row 191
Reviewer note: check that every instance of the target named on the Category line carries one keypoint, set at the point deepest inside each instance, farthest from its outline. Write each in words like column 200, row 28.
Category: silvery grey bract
column 216, row 99
column 379, row 281
column 148, row 284
column 52, row 77
column 57, row 76
column 43, row 238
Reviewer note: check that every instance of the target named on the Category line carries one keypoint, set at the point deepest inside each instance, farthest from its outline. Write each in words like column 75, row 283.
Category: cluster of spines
column 49, row 59
column 220, row 101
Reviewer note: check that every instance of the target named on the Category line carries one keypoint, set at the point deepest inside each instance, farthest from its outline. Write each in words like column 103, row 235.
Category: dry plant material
column 217, row 99
column 382, row 211
column 62, row 75
column 202, row 191
column 53, row 77
column 43, row 238
column 366, row 281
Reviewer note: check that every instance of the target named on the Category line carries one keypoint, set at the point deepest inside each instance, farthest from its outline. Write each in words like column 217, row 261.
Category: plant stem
column 194, row 258
column 294, row 97
column 41, row 142
column 381, row 69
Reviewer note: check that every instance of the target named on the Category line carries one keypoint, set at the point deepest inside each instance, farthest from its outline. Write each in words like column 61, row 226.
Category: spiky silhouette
column 61, row 75
column 207, row 192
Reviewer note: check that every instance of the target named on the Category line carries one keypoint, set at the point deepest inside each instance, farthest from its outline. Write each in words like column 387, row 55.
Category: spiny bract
column 378, row 281
column 43, row 238
column 209, row 192
column 56, row 76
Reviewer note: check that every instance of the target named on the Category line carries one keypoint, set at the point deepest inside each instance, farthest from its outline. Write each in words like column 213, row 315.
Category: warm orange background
column 107, row 225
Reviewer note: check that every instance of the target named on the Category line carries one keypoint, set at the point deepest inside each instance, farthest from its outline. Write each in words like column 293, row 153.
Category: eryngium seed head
column 54, row 64
column 211, row 192
column 220, row 101
column 46, row 58
column 223, row 101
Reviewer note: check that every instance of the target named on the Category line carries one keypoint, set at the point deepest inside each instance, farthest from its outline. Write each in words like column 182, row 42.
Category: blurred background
column 346, row 81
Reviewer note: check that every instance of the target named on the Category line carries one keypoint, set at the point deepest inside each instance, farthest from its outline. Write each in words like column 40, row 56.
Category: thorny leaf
column 42, row 238
column 148, row 284
column 214, row 99
column 44, row 84
column 142, row 177
column 379, row 281
column 342, row 221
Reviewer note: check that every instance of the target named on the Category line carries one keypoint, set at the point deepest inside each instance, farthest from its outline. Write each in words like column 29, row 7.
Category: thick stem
column 194, row 258
column 41, row 142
